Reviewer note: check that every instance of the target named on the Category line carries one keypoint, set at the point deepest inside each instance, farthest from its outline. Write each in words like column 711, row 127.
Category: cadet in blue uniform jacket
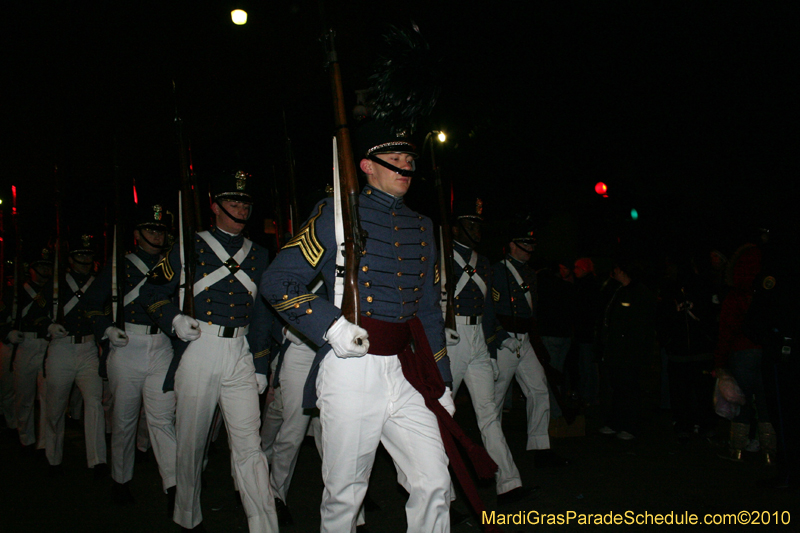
column 138, row 361
column 72, row 357
column 363, row 396
column 227, row 358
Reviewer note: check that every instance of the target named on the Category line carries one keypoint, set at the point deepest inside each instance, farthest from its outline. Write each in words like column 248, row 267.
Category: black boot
column 100, row 471
column 121, row 493
column 171, row 501
column 282, row 510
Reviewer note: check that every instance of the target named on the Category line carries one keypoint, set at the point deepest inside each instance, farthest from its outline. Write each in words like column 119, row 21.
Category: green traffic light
column 634, row 214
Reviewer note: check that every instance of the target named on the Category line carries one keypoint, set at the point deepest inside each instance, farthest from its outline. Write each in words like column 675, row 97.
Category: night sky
column 687, row 110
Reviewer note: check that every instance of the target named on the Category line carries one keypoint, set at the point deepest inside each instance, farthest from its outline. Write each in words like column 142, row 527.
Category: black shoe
column 171, row 501
column 54, row 471
column 142, row 457
column 544, row 458
column 100, row 471
column 284, row 516
column 121, row 493
column 516, row 495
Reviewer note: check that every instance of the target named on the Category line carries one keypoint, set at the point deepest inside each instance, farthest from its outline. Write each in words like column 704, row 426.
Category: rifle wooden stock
column 349, row 192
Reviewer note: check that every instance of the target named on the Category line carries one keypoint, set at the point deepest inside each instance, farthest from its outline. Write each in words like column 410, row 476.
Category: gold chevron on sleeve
column 294, row 302
column 495, row 295
column 152, row 308
column 436, row 273
column 261, row 354
column 306, row 240
column 491, row 339
column 441, row 353
column 162, row 272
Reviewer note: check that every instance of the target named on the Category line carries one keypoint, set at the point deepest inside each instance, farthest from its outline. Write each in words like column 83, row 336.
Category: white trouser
column 271, row 415
column 469, row 361
column 530, row 376
column 136, row 372
column 219, row 370
column 69, row 363
column 28, row 379
column 296, row 421
column 364, row 401
column 142, row 435
column 75, row 407
column 7, row 386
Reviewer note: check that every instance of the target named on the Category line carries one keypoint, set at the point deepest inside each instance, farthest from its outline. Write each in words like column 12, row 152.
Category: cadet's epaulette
column 436, row 273
column 162, row 273
column 261, row 354
column 495, row 295
column 294, row 302
column 441, row 353
column 306, row 240
column 152, row 308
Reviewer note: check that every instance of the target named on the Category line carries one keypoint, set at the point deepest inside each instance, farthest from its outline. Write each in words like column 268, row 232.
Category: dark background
column 687, row 110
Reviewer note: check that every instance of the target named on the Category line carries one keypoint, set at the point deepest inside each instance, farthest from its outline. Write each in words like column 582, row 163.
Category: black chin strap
column 75, row 260
column 466, row 234
column 381, row 162
column 237, row 220
column 145, row 239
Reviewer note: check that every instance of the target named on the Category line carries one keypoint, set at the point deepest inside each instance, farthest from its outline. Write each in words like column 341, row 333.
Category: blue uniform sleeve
column 98, row 304
column 285, row 283
column 430, row 313
column 260, row 338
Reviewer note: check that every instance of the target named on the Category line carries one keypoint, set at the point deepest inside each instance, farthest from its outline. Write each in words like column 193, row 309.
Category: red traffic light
column 600, row 188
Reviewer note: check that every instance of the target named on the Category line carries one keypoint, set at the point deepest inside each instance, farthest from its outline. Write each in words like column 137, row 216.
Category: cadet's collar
column 148, row 258
column 382, row 198
column 463, row 248
column 516, row 262
column 227, row 238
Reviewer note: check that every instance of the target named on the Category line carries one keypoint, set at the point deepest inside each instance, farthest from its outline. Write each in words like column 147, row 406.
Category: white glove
column 116, row 337
column 186, row 328
column 451, row 336
column 56, row 331
column 511, row 344
column 15, row 336
column 447, row 401
column 261, row 380
column 495, row 368
column 292, row 337
column 347, row 339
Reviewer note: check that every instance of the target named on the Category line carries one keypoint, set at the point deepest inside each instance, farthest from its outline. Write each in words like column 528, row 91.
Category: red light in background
column 601, row 188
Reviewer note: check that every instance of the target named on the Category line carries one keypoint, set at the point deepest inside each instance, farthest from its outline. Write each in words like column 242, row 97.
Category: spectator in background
column 587, row 317
column 628, row 338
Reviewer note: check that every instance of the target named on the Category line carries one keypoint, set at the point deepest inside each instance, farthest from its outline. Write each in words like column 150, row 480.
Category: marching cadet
column 514, row 295
column 6, row 375
column 138, row 361
column 34, row 307
column 227, row 357
column 362, row 394
column 73, row 358
column 470, row 360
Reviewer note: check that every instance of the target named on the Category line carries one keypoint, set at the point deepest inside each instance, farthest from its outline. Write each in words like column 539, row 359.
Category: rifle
column 446, row 247
column 58, row 262
column 17, row 319
column 293, row 212
column 278, row 211
column 353, row 234
column 189, row 215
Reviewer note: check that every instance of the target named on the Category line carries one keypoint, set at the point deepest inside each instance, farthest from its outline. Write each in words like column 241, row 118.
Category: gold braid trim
column 294, row 302
column 491, row 339
column 90, row 314
column 162, row 272
column 152, row 308
column 261, row 354
column 441, row 353
column 306, row 240
column 436, row 276
column 495, row 295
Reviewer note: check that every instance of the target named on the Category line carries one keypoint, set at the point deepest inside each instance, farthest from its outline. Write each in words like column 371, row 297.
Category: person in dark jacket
column 628, row 338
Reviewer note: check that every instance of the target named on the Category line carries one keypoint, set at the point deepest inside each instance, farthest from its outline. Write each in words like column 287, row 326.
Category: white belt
column 469, row 320
column 224, row 331
column 142, row 329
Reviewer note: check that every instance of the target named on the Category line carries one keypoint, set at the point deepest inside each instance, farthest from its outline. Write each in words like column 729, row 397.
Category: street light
column 239, row 17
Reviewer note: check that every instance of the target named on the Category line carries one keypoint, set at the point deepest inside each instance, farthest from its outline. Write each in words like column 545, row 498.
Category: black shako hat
column 522, row 231
column 467, row 209
column 41, row 255
column 152, row 216
column 236, row 186
column 377, row 137
column 81, row 243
